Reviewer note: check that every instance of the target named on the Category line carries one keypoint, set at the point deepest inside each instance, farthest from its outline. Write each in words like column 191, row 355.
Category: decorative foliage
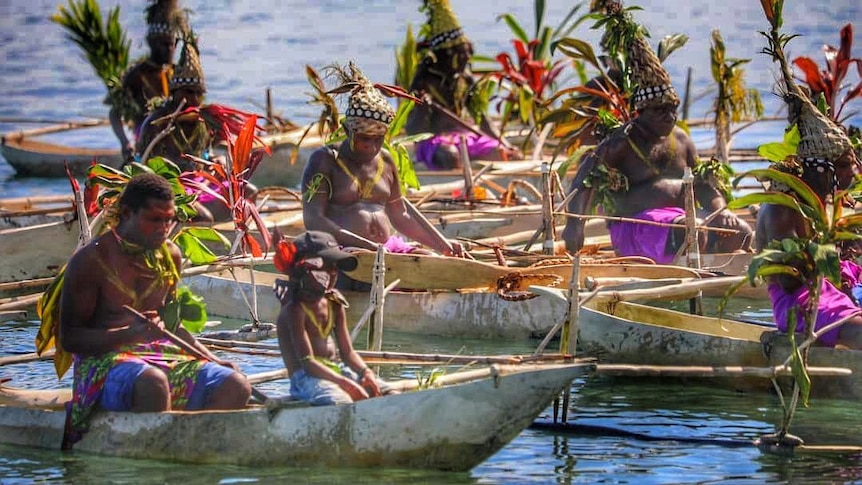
column 104, row 44
column 733, row 101
column 407, row 58
column 285, row 253
column 830, row 81
column 244, row 159
column 716, row 174
column 607, row 182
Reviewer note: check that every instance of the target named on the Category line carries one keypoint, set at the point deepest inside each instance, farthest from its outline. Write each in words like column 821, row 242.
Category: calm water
column 629, row 433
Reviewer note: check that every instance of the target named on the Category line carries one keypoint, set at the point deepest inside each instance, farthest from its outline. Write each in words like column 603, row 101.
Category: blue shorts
column 322, row 392
column 119, row 385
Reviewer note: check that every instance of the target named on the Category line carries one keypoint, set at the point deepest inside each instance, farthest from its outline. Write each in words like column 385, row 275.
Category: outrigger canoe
column 31, row 157
column 465, row 302
column 450, row 428
column 630, row 333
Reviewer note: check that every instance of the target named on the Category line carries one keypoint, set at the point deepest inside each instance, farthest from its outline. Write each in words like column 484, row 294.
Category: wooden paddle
column 187, row 347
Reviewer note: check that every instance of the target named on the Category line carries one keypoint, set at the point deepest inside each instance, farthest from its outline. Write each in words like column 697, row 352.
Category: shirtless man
column 649, row 155
column 445, row 79
column 312, row 327
column 148, row 78
column 123, row 363
column 356, row 187
column 190, row 135
column 826, row 162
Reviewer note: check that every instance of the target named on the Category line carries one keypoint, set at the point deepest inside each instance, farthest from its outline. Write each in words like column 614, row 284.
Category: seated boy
column 312, row 325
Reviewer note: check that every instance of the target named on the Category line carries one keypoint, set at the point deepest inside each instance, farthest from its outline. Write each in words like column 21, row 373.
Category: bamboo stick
column 35, row 212
column 72, row 125
column 19, row 302
column 26, row 358
column 682, row 290
column 711, row 371
column 647, row 223
column 24, row 284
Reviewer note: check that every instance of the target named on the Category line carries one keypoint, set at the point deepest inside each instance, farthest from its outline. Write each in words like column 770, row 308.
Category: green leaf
column 516, row 28
column 577, row 49
column 799, row 370
column 808, row 197
column 193, row 312
column 194, row 249
column 539, row 6
column 164, row 167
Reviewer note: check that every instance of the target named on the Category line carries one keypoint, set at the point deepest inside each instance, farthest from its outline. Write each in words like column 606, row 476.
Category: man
column 148, row 79
column 646, row 159
column 444, row 78
column 825, row 161
column 312, row 327
column 190, row 134
column 356, row 188
column 122, row 362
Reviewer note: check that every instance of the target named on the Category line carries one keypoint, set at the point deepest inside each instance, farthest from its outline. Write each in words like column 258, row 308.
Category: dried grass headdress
column 652, row 81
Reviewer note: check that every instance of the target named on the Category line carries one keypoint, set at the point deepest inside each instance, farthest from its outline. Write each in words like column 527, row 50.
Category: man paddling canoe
column 122, row 363
column 640, row 166
column 355, row 187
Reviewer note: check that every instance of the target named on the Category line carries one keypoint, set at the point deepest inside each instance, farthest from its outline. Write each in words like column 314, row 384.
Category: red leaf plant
column 830, row 81
column 244, row 159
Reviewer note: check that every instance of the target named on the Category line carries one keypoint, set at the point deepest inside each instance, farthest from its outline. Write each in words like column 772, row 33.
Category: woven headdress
column 652, row 82
column 368, row 111
column 444, row 30
column 822, row 142
column 163, row 19
column 189, row 72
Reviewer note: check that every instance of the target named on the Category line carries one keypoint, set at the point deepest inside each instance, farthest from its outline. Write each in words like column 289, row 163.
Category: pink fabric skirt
column 633, row 239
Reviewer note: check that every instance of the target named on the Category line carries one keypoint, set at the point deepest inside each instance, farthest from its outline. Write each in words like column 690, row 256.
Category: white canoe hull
column 450, row 428
column 32, row 158
column 37, row 251
column 446, row 313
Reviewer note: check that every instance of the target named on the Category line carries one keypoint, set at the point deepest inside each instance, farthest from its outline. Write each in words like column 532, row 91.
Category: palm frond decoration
column 104, row 43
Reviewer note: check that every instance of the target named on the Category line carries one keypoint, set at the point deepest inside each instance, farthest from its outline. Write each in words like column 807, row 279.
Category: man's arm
column 411, row 222
column 350, row 356
column 80, row 332
column 580, row 203
column 293, row 341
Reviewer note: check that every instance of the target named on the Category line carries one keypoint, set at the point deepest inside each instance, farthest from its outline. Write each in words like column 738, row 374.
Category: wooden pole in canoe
column 692, row 242
column 370, row 311
column 466, row 168
column 72, row 125
column 24, row 284
column 547, row 211
column 570, row 328
column 631, row 370
column 375, row 331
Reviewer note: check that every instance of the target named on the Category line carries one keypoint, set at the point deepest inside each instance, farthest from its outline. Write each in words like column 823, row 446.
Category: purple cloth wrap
column 477, row 145
column 633, row 239
column 397, row 245
column 834, row 305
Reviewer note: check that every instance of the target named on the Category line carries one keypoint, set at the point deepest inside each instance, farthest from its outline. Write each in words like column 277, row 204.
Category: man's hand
column 128, row 152
column 354, row 390
column 573, row 235
column 458, row 250
column 143, row 331
column 367, row 381
column 230, row 365
column 726, row 219
column 282, row 290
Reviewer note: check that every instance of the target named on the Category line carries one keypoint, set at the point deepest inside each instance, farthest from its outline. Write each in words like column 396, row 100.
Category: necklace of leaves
column 364, row 189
